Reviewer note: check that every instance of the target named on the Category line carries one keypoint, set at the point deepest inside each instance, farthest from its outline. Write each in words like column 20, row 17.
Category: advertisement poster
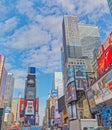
column 80, row 77
column 91, row 100
column 29, row 110
column 70, row 75
column 72, row 111
column 71, row 92
column 101, row 89
column 57, row 119
column 86, row 110
column 21, row 107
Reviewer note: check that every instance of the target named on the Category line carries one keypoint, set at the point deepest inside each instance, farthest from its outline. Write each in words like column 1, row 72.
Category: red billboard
column 37, row 104
column 21, row 109
column 104, row 59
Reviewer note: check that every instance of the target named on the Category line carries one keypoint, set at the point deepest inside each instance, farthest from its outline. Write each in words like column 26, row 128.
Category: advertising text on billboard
column 101, row 89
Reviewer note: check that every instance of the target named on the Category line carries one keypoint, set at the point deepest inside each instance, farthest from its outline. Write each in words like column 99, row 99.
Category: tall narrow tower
column 30, row 97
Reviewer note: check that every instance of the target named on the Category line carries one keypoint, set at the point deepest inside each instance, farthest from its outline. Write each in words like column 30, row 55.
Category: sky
column 31, row 35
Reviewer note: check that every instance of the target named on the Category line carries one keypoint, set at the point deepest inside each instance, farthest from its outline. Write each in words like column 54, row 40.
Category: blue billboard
column 32, row 70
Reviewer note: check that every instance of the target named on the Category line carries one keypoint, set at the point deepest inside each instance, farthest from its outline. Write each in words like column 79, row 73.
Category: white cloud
column 8, row 25
column 29, row 36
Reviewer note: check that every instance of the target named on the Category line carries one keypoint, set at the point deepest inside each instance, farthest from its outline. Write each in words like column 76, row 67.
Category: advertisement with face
column 80, row 77
column 71, row 92
column 29, row 110
column 91, row 100
column 101, row 89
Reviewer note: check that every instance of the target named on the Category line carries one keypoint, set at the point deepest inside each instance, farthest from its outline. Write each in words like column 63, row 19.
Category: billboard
column 32, row 70
column 72, row 111
column 104, row 60
column 57, row 119
column 86, row 109
column 71, row 92
column 77, row 73
column 91, row 100
column 21, row 109
column 30, row 93
column 101, row 89
column 29, row 108
column 61, row 103
column 55, row 92
column 80, row 77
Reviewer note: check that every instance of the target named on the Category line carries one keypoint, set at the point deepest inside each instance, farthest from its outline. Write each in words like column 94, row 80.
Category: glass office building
column 71, row 43
column 89, row 39
column 110, row 5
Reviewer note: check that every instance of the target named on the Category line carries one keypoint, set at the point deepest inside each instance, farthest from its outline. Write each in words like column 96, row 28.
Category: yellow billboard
column 86, row 109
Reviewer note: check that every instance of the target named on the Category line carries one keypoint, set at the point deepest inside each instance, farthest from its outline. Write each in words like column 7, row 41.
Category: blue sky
column 31, row 35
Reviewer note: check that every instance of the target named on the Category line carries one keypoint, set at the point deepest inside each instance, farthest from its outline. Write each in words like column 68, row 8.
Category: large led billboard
column 71, row 92
column 29, row 108
column 77, row 73
column 80, row 77
column 101, row 89
column 104, row 58
column 30, row 93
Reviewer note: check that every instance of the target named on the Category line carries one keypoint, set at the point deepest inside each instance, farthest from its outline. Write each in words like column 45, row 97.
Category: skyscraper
column 58, row 84
column 9, row 90
column 71, row 43
column 89, row 39
column 110, row 5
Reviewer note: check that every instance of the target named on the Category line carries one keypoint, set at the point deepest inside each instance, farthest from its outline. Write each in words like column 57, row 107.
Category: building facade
column 71, row 42
column 2, row 60
column 57, row 89
column 9, row 90
column 89, row 39
column 110, row 5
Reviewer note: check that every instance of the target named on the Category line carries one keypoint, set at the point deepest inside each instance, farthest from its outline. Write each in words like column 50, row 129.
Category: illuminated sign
column 29, row 110
column 101, row 89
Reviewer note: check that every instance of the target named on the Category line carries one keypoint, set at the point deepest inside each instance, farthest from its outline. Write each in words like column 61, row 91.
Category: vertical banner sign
column 21, row 110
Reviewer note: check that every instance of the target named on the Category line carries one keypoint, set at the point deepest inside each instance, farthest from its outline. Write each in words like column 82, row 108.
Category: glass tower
column 90, row 40
column 71, row 43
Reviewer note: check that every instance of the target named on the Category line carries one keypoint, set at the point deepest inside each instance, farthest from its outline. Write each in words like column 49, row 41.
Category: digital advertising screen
column 104, row 60
column 29, row 109
column 30, row 93
column 70, row 75
column 102, row 88
column 80, row 77
column 71, row 92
